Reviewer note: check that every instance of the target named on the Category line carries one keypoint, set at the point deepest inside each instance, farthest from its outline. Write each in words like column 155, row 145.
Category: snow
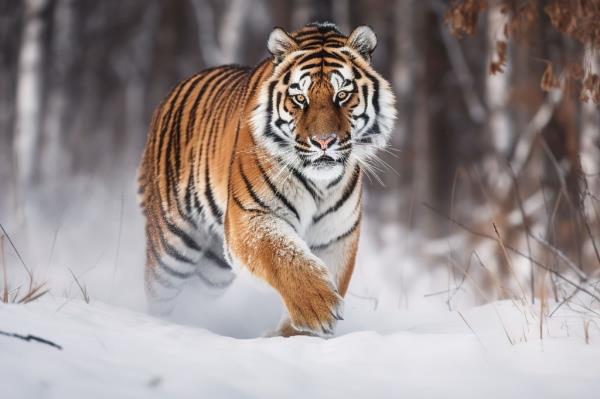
column 398, row 339
column 111, row 352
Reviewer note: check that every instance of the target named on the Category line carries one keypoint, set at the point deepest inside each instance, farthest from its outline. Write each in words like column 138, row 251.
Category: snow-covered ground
column 398, row 338
column 109, row 352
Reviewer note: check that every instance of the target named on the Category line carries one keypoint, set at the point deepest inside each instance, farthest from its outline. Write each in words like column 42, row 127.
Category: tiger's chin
column 323, row 171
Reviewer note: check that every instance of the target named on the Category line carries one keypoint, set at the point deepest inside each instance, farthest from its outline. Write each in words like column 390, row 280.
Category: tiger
column 260, row 169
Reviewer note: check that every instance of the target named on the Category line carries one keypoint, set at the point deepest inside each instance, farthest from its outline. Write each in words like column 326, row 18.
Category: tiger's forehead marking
column 301, row 80
column 319, row 35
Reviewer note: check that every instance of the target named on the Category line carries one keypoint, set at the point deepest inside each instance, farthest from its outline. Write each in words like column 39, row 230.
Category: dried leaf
column 499, row 62
column 549, row 80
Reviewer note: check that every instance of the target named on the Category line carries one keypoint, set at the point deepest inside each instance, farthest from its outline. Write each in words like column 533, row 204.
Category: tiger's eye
column 342, row 95
column 300, row 98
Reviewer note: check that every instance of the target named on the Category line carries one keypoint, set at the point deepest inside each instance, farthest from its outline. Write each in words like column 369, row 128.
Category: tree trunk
column 55, row 153
column 29, row 96
column 497, row 87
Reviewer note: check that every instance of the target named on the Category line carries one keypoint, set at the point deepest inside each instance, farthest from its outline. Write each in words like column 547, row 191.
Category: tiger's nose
column 324, row 140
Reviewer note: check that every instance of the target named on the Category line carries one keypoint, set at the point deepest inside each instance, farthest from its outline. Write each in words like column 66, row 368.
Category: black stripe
column 305, row 183
column 319, row 54
column 347, row 193
column 237, row 201
column 306, row 33
column 310, row 66
column 163, row 134
column 249, row 187
column 183, row 236
column 172, row 251
column 335, row 181
column 333, row 64
column 218, row 260
column 214, row 209
column 177, row 125
column 338, row 238
column 375, row 91
column 157, row 278
column 208, row 193
column 168, row 268
column 277, row 193
column 205, row 84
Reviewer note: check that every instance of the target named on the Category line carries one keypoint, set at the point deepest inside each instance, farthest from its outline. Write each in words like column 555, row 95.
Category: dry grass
column 82, row 288
column 24, row 293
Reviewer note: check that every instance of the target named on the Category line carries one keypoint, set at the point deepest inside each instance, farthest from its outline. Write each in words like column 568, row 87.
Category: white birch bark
column 404, row 67
column 55, row 157
column 497, row 86
column 29, row 94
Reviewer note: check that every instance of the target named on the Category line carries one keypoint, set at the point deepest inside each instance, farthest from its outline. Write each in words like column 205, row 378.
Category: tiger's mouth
column 325, row 161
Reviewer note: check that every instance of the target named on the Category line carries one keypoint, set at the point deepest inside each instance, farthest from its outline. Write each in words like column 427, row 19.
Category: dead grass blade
column 509, row 261
column 4, row 273
column 516, row 251
column 84, row 292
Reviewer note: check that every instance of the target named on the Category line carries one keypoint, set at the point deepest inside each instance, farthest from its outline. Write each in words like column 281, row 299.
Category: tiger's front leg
column 270, row 248
column 340, row 258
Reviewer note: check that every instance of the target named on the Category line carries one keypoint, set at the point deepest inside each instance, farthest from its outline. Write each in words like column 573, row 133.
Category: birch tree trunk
column 590, row 141
column 54, row 157
column 497, row 86
column 29, row 95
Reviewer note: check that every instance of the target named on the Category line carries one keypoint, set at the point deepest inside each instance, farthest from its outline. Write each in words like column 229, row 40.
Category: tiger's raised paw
column 315, row 306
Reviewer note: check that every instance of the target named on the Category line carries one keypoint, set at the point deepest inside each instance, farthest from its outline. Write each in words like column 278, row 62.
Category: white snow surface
column 398, row 338
column 379, row 352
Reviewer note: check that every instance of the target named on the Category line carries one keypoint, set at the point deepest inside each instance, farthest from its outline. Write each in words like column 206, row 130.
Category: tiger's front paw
column 315, row 305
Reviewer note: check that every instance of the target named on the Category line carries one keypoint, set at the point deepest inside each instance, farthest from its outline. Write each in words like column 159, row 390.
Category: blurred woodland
column 497, row 142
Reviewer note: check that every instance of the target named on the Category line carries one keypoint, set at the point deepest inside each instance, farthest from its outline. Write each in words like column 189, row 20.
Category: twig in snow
column 470, row 328
column 29, row 338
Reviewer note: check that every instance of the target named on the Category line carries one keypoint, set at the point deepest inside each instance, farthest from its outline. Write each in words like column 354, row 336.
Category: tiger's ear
column 280, row 43
column 363, row 40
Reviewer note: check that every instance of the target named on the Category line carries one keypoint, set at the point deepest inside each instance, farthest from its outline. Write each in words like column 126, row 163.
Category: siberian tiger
column 261, row 168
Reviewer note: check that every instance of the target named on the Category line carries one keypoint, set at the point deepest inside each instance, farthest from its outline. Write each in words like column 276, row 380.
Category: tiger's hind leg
column 178, row 258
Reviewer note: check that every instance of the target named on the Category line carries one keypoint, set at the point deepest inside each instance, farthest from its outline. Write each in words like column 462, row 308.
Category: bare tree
column 55, row 157
column 29, row 93
column 497, row 84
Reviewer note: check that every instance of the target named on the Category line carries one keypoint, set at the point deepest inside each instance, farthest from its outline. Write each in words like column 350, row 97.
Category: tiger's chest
column 324, row 217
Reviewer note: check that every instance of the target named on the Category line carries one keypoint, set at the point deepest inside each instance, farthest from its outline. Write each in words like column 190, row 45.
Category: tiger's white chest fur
column 326, row 216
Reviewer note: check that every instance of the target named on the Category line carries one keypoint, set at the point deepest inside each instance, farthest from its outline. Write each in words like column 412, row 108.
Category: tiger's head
column 324, row 107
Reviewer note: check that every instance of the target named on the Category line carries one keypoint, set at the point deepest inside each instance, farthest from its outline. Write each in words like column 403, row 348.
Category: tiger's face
column 324, row 108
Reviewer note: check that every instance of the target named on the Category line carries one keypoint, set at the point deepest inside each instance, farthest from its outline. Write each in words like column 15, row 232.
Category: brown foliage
column 522, row 17
column 579, row 19
column 462, row 16
column 591, row 88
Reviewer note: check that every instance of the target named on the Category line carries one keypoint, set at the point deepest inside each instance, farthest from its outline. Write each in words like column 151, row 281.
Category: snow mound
column 493, row 351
